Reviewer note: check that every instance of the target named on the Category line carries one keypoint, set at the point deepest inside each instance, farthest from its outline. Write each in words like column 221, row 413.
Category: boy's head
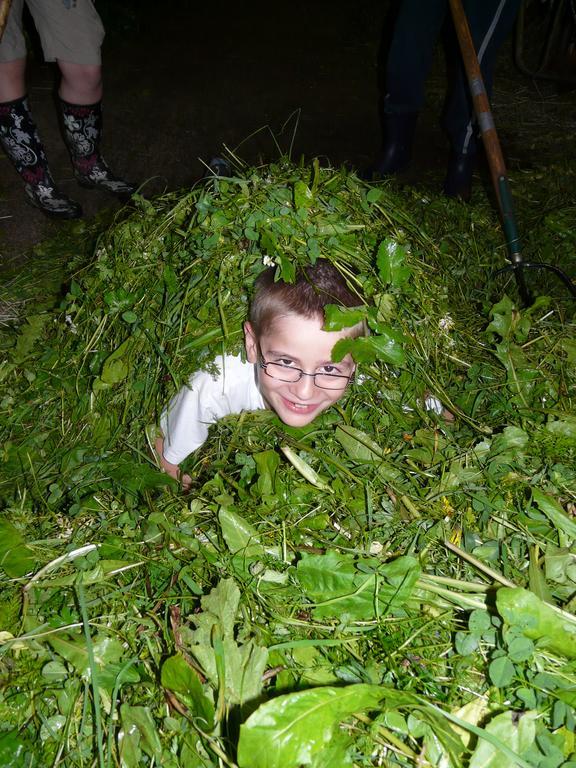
column 285, row 336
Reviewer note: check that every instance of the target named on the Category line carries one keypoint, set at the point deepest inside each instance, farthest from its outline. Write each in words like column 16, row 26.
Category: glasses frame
column 262, row 363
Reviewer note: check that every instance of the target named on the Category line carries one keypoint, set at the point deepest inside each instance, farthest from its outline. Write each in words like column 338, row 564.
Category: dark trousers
column 417, row 29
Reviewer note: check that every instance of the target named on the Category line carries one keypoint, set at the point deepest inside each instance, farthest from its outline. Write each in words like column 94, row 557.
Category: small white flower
column 268, row 262
column 70, row 323
column 432, row 403
column 376, row 548
column 446, row 323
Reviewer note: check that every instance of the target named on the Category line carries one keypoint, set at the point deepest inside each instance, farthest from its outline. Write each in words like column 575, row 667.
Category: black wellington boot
column 21, row 142
column 398, row 135
column 458, row 181
column 82, row 128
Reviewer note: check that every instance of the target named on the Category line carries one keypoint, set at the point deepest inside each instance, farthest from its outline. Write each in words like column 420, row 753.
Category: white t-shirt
column 205, row 400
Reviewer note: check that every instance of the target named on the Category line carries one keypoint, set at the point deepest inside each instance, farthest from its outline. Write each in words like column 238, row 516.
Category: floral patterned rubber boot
column 21, row 142
column 82, row 126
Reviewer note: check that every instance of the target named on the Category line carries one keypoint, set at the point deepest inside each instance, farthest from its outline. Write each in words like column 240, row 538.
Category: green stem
column 93, row 671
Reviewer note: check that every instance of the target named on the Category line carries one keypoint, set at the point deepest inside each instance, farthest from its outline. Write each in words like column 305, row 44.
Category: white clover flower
column 446, row 323
column 71, row 324
column 268, row 262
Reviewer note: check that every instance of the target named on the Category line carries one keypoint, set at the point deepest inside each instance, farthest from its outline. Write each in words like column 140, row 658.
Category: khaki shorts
column 70, row 30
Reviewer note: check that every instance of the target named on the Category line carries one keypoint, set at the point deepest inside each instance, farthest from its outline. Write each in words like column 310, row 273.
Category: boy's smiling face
column 297, row 342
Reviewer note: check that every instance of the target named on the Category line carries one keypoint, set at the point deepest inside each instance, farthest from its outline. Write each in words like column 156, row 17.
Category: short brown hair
column 315, row 286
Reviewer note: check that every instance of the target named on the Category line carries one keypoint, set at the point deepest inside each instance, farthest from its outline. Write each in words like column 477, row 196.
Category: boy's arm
column 171, row 469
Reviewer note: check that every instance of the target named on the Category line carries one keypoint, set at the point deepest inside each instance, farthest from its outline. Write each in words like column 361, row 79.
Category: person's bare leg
column 80, row 83
column 12, row 80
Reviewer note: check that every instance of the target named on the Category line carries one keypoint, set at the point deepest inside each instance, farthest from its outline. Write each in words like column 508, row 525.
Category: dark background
column 184, row 78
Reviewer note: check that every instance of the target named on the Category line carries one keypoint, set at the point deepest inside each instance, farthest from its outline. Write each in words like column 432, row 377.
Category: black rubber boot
column 398, row 136
column 82, row 128
column 458, row 181
column 21, row 142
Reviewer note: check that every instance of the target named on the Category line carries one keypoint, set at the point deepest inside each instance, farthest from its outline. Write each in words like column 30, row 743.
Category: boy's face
column 297, row 342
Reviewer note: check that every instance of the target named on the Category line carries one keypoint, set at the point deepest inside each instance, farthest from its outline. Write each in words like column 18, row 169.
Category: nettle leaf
column 390, row 260
column 336, row 318
column 516, row 731
column 178, row 676
column 387, row 346
column 291, row 730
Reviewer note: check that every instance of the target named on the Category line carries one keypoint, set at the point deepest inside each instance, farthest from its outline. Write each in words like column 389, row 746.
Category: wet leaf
column 289, row 731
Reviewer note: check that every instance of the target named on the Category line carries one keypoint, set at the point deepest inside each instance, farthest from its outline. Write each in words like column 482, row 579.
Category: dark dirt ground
column 300, row 77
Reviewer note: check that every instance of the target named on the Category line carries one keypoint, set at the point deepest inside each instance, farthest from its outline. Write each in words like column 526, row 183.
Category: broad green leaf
column 510, row 439
column 307, row 472
column 238, row 534
column 387, row 346
column 303, row 197
column 108, row 655
column 565, row 427
column 537, row 620
column 12, row 750
column 29, row 334
column 115, row 367
column 289, row 731
column 501, row 315
column 501, row 671
column 178, row 676
column 241, row 671
column 16, row 558
column 516, row 730
column 336, row 754
column 390, row 260
column 267, row 462
column 241, row 664
column 52, row 727
column 536, row 578
column 554, row 513
column 336, row 318
column 138, row 733
column 357, row 444
column 337, row 585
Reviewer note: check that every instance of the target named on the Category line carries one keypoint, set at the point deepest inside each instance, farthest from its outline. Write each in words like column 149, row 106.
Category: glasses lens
column 326, row 381
column 282, row 372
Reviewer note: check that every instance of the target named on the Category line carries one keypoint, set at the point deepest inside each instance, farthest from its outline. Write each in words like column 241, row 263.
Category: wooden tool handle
column 4, row 11
column 479, row 96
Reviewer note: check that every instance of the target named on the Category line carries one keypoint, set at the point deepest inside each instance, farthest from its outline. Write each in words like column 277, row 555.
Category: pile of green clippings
column 389, row 586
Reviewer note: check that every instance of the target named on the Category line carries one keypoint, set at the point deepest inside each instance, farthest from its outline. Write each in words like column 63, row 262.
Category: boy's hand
column 171, row 469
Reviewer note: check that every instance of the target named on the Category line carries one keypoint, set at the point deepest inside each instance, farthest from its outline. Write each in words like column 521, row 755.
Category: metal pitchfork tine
column 496, row 161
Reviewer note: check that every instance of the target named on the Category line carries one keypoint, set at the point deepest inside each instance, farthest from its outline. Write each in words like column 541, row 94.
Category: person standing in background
column 417, row 28
column 71, row 34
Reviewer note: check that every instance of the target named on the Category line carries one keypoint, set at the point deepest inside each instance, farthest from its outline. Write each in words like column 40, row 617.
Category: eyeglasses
column 291, row 375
